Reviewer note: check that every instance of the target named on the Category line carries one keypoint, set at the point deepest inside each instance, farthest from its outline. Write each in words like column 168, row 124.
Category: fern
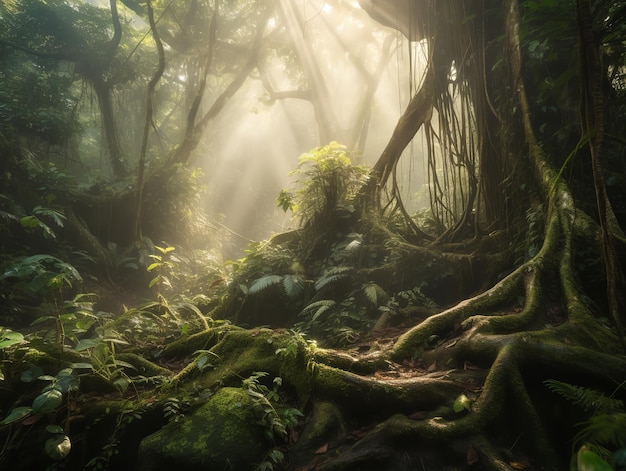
column 354, row 246
column 331, row 276
column 588, row 399
column 261, row 284
column 605, row 429
column 293, row 285
column 375, row 294
column 320, row 307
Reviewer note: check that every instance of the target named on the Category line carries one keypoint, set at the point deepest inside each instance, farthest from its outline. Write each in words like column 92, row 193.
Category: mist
column 255, row 142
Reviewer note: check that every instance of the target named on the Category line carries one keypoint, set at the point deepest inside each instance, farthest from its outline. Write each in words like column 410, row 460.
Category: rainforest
column 330, row 235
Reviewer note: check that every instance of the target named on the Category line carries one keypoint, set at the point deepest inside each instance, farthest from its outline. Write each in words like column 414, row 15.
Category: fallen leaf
column 432, row 367
column 472, row 455
column 321, row 450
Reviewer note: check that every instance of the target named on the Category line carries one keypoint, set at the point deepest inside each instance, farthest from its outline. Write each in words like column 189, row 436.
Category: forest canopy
column 307, row 235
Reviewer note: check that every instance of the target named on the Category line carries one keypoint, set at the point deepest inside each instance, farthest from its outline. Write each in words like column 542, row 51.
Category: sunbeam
column 352, row 85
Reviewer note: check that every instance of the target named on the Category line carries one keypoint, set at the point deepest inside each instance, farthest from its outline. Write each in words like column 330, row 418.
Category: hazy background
column 252, row 146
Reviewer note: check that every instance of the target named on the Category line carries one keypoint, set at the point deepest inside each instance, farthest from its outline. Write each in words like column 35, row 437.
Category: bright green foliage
column 162, row 266
column 327, row 181
column 589, row 399
column 34, row 221
column 462, row 403
column 71, row 319
column 66, row 381
column 9, row 338
column 17, row 414
column 602, row 432
column 47, row 401
column 588, row 460
column 41, row 274
column 174, row 409
column 275, row 418
column 263, row 283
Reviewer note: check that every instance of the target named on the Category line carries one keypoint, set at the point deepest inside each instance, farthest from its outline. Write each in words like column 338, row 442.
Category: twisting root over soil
column 518, row 348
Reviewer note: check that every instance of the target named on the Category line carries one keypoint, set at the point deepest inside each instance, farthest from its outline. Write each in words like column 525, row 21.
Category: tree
column 498, row 186
column 503, row 303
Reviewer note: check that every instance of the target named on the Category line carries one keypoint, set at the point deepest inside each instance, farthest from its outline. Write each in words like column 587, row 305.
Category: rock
column 221, row 434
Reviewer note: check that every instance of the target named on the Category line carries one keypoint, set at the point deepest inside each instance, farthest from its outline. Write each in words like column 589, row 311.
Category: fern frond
column 605, row 429
column 354, row 246
column 375, row 294
column 56, row 216
column 293, row 285
column 331, row 276
column 261, row 284
column 588, row 399
column 319, row 307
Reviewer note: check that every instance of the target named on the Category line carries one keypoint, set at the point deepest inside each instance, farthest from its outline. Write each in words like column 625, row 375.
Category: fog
column 253, row 145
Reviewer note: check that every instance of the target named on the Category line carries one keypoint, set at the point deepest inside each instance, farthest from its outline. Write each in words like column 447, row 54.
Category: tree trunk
column 111, row 136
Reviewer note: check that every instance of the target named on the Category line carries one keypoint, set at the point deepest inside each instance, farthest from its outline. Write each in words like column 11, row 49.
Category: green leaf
column 31, row 374
column 47, row 402
column 588, row 460
column 46, row 378
column 276, row 456
column 123, row 364
column 58, row 447
column 84, row 344
column 30, row 222
column 462, row 403
column 263, row 283
column 121, row 384
column 319, row 307
column 66, row 383
column 17, row 414
column 332, row 275
column 53, row 428
column 8, row 338
column 375, row 294
column 56, row 216
column 293, row 285
column 41, row 320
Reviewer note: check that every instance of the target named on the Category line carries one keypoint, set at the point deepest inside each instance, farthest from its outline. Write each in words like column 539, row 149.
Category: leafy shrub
column 327, row 185
column 601, row 438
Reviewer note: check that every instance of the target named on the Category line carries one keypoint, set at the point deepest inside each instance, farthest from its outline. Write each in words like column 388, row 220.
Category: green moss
column 186, row 345
column 144, row 367
column 241, row 352
column 221, row 434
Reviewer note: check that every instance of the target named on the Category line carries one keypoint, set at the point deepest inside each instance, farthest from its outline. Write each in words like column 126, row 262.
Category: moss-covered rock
column 221, row 434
